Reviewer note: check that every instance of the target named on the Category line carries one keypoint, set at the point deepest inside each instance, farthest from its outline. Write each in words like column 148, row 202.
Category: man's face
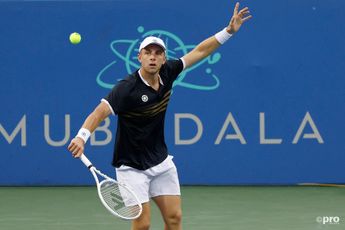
column 152, row 57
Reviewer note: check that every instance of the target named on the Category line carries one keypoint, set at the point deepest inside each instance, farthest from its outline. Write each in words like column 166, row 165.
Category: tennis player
column 140, row 100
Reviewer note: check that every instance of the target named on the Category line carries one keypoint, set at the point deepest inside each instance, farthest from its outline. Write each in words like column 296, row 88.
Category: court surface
column 230, row 207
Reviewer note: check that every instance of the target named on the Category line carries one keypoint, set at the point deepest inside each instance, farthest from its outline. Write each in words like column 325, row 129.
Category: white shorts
column 159, row 180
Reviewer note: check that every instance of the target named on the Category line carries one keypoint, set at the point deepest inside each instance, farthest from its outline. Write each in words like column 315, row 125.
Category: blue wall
column 277, row 87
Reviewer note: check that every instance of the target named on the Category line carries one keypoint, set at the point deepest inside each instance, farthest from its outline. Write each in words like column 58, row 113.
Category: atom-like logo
column 126, row 50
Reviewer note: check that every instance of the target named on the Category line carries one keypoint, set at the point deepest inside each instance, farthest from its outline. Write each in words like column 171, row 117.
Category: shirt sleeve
column 115, row 97
column 111, row 108
column 174, row 68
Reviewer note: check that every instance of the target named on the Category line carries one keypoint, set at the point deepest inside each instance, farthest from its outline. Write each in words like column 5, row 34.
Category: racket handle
column 86, row 161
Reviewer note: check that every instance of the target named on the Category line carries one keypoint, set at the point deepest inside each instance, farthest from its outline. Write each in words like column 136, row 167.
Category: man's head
column 152, row 40
column 152, row 54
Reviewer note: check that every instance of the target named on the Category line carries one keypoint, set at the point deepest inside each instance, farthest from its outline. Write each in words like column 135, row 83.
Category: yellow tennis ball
column 75, row 38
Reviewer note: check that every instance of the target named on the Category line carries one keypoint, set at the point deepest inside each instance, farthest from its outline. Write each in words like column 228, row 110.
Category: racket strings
column 119, row 199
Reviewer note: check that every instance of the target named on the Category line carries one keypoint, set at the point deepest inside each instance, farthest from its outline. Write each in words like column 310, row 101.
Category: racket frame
column 94, row 171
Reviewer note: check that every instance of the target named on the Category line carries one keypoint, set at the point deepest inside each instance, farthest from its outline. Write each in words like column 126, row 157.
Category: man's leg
column 139, row 182
column 165, row 191
column 143, row 221
column 170, row 207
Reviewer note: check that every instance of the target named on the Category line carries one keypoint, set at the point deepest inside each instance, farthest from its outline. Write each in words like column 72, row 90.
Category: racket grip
column 86, row 161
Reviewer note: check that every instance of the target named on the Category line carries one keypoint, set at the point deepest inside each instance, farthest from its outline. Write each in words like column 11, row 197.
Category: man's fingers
column 243, row 10
column 71, row 147
column 246, row 18
column 76, row 149
column 236, row 8
column 244, row 13
column 78, row 154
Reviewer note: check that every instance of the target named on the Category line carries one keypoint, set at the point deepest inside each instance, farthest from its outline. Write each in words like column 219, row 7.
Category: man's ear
column 165, row 58
column 139, row 57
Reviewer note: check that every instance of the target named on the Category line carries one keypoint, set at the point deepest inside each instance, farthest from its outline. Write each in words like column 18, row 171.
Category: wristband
column 222, row 36
column 84, row 134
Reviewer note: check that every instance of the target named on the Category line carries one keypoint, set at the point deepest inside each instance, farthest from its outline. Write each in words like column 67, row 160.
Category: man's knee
column 174, row 218
column 143, row 225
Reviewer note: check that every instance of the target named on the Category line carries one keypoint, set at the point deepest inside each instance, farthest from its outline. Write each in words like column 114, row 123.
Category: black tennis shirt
column 141, row 112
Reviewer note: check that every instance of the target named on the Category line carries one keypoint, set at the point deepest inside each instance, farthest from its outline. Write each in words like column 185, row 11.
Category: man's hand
column 238, row 18
column 76, row 147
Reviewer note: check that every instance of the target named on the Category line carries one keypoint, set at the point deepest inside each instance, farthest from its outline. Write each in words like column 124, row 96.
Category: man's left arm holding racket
column 117, row 197
column 76, row 147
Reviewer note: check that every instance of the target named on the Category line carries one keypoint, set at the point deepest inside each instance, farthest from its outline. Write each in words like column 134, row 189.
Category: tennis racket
column 118, row 199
